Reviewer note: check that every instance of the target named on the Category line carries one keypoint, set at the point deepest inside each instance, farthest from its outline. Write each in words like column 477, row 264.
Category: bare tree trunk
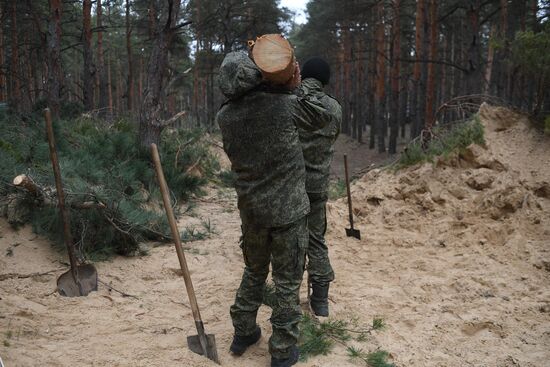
column 88, row 70
column 360, row 118
column 3, row 80
column 55, row 74
column 150, row 121
column 130, row 81
column 109, row 88
column 15, row 92
column 346, row 100
column 417, row 73
column 380, row 79
column 430, row 89
column 140, row 80
column 490, row 60
column 474, row 74
column 394, row 77
column 101, row 69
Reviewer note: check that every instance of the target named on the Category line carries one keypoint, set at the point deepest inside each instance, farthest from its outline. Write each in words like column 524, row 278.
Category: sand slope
column 455, row 258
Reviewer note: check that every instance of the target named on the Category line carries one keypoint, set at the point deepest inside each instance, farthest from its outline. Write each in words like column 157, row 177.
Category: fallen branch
column 23, row 276
column 27, row 183
column 111, row 288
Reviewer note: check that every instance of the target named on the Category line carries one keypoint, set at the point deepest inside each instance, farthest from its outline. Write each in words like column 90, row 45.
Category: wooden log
column 274, row 56
column 28, row 184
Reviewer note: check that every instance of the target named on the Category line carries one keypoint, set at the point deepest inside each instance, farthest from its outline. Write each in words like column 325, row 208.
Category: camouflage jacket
column 260, row 136
column 318, row 145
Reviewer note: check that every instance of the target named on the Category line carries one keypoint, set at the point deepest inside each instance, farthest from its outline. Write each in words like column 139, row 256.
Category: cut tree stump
column 274, row 56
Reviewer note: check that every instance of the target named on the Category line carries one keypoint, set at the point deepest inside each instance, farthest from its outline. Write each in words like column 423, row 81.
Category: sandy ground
column 454, row 257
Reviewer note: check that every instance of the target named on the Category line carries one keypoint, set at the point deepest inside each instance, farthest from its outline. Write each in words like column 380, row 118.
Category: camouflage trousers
column 283, row 247
column 318, row 267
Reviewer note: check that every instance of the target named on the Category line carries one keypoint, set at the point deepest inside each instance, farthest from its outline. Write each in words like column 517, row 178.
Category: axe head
column 352, row 232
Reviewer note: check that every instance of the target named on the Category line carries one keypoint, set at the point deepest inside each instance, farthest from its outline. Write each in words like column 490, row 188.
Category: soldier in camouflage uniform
column 259, row 129
column 318, row 152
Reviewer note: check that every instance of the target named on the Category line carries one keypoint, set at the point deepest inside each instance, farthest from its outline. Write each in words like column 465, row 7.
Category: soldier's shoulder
column 332, row 99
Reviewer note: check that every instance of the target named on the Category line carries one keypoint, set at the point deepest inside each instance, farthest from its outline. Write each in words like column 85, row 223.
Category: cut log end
column 274, row 55
column 26, row 183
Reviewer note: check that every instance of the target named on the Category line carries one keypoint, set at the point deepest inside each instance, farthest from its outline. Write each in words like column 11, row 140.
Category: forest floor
column 454, row 256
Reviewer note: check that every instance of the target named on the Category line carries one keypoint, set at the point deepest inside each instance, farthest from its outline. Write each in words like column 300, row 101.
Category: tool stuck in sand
column 350, row 232
column 203, row 344
column 81, row 279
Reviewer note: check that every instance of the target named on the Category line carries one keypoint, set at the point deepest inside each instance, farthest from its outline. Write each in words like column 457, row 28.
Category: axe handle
column 350, row 209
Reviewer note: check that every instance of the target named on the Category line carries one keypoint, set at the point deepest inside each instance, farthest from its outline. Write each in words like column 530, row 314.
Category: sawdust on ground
column 454, row 257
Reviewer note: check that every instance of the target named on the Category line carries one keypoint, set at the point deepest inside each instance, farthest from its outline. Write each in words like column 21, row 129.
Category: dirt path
column 455, row 286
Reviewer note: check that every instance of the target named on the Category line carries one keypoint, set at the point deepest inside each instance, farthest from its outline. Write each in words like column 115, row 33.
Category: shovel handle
column 350, row 209
column 175, row 234
column 61, row 195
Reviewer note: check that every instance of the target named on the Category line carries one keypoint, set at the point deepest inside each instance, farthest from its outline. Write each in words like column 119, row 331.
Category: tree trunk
column 380, row 79
column 475, row 72
column 109, row 90
column 417, row 72
column 3, row 80
column 372, row 93
column 130, row 81
column 15, row 92
column 346, row 100
column 101, row 69
column 150, row 119
column 430, row 89
column 394, row 78
column 88, row 70
column 55, row 73
column 490, row 60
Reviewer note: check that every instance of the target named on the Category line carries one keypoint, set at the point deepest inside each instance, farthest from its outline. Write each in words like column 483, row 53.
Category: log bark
column 27, row 183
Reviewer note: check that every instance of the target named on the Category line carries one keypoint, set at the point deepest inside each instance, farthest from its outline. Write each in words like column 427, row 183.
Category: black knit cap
column 317, row 68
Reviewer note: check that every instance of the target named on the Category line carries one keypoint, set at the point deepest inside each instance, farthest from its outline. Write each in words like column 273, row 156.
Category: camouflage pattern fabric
column 259, row 129
column 318, row 151
column 285, row 248
column 260, row 136
column 317, row 145
column 318, row 267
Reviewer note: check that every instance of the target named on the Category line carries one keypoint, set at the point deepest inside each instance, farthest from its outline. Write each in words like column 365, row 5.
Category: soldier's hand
column 296, row 79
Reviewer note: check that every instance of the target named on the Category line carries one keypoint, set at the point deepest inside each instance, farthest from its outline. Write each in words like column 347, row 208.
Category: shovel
column 81, row 279
column 350, row 232
column 202, row 343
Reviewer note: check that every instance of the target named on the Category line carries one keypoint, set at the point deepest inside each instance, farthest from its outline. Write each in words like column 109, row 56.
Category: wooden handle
column 175, row 234
column 61, row 195
column 350, row 209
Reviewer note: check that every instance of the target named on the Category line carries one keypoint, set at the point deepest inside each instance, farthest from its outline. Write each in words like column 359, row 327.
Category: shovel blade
column 87, row 277
column 194, row 344
column 352, row 232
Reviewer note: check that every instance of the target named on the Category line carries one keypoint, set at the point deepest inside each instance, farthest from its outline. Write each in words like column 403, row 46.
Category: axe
column 350, row 232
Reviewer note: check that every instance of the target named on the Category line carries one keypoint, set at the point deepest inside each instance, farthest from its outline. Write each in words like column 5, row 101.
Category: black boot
column 319, row 299
column 287, row 362
column 241, row 343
